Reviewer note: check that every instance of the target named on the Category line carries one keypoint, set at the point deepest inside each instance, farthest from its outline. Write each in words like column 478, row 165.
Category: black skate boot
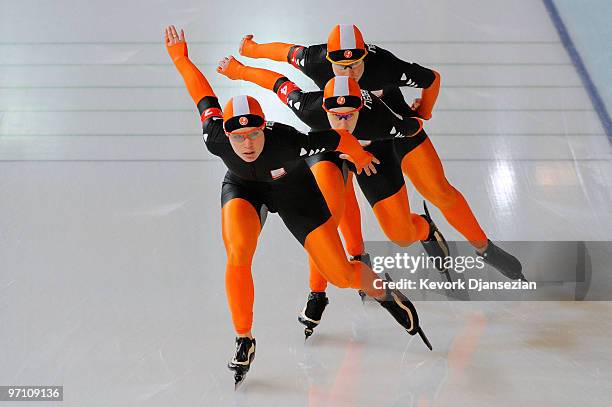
column 312, row 312
column 435, row 245
column 404, row 312
column 503, row 261
column 242, row 360
column 365, row 258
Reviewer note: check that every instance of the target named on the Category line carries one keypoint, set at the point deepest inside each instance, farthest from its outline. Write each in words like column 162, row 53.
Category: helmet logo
column 341, row 100
column 348, row 53
column 243, row 121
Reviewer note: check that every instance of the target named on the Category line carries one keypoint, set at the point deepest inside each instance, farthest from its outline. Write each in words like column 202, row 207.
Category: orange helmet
column 345, row 45
column 242, row 111
column 342, row 91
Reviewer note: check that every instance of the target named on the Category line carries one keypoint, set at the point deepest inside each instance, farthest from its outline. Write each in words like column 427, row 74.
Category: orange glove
column 177, row 51
column 196, row 83
column 175, row 43
column 349, row 145
column 232, row 68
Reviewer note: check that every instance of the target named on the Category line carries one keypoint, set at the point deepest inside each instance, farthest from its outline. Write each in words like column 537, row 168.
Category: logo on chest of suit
column 348, row 53
column 277, row 173
column 243, row 121
column 341, row 100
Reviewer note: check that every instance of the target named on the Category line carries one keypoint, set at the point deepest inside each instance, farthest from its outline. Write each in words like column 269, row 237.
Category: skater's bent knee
column 441, row 195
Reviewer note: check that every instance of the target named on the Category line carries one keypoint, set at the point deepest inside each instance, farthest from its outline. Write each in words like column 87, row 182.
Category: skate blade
column 424, row 338
column 448, row 277
column 239, row 379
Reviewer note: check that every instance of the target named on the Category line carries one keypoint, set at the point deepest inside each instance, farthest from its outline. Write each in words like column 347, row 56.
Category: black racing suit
column 376, row 123
column 278, row 180
column 383, row 71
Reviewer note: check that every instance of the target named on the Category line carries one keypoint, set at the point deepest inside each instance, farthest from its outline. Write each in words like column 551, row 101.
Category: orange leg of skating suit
column 424, row 168
column 241, row 227
column 325, row 248
column 330, row 182
column 343, row 205
column 350, row 223
column 276, row 51
column 397, row 222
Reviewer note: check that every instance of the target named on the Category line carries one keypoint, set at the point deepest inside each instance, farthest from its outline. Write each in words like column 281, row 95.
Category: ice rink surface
column 111, row 259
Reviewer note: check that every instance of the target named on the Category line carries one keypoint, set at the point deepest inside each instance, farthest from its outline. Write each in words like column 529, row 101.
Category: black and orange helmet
column 342, row 91
column 242, row 111
column 345, row 45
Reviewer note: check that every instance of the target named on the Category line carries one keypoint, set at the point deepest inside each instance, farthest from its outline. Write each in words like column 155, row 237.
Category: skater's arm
column 276, row 51
column 305, row 105
column 330, row 140
column 196, row 83
column 379, row 122
column 424, row 106
column 235, row 70
column 410, row 74
column 200, row 91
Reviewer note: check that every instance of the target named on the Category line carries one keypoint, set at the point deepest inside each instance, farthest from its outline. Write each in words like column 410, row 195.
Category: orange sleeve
column 262, row 77
column 428, row 98
column 196, row 83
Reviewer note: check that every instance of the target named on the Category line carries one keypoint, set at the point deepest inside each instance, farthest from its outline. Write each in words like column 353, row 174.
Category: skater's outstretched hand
column 369, row 168
column 175, row 43
column 415, row 104
column 230, row 67
column 245, row 41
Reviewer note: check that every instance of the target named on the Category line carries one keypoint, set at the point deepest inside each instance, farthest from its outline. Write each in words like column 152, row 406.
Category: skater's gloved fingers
column 368, row 167
column 246, row 38
column 415, row 104
column 173, row 32
column 222, row 65
column 171, row 39
column 175, row 44
column 371, row 168
column 230, row 67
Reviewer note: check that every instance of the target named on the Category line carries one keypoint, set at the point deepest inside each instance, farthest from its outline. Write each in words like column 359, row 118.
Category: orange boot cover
column 325, row 248
column 276, row 51
column 422, row 165
column 331, row 183
column 397, row 222
column 350, row 223
column 241, row 226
